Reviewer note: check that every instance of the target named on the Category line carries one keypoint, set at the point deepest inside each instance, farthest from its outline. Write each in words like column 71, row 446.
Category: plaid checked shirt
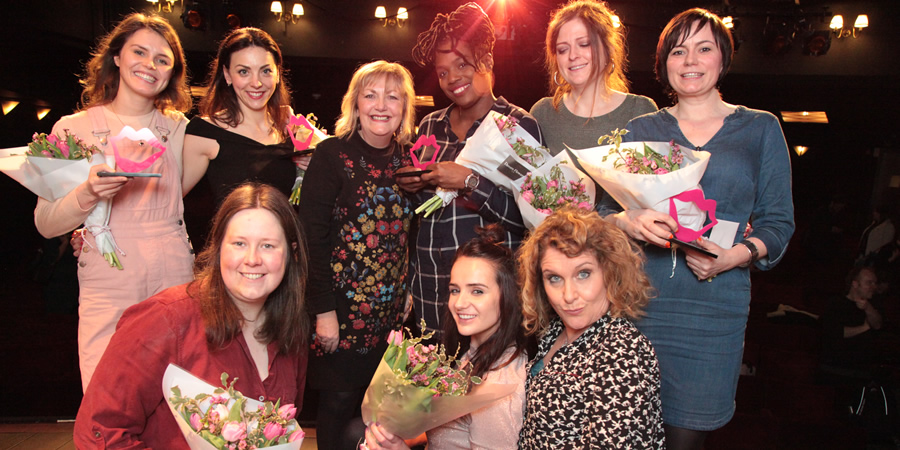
column 440, row 234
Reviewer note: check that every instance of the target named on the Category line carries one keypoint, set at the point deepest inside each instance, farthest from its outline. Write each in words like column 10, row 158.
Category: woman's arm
column 198, row 152
column 321, row 188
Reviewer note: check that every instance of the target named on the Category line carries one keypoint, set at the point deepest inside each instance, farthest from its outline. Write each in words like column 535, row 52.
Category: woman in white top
column 487, row 327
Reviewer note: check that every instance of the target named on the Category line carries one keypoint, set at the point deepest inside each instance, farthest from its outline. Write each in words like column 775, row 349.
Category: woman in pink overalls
column 136, row 79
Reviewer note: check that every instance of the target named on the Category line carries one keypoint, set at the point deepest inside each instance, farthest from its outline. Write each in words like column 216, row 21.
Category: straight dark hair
column 286, row 319
column 221, row 104
column 489, row 246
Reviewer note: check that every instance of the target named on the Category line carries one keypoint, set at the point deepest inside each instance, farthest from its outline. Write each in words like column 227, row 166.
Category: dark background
column 43, row 44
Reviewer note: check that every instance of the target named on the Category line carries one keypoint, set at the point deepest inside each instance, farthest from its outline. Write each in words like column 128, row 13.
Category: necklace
column 152, row 116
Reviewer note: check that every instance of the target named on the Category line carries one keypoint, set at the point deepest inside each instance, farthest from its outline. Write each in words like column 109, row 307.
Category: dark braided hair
column 467, row 23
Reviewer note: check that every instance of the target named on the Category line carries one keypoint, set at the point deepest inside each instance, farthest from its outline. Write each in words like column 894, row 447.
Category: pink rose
column 195, row 422
column 234, row 431
column 528, row 196
column 273, row 430
column 287, row 412
column 52, row 139
column 297, row 434
column 64, row 148
column 552, row 184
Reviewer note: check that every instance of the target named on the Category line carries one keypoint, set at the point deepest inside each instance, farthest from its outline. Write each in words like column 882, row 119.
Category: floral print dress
column 356, row 220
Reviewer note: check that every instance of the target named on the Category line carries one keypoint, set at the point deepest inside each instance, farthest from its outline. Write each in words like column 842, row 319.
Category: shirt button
column 262, row 398
column 97, row 434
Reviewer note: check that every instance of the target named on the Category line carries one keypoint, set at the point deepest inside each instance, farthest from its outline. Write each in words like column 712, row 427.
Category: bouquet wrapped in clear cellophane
column 416, row 388
column 499, row 150
column 662, row 176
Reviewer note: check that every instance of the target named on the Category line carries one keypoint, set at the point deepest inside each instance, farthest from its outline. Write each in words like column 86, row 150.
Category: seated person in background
column 483, row 320
column 848, row 324
column 244, row 314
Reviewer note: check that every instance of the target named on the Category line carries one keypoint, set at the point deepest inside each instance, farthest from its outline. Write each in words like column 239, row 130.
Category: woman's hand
column 410, row 184
column 706, row 267
column 302, row 162
column 97, row 188
column 448, row 175
column 379, row 438
column 646, row 225
column 327, row 331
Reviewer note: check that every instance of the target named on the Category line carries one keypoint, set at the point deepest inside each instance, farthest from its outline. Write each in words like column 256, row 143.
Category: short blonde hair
column 348, row 122
column 574, row 231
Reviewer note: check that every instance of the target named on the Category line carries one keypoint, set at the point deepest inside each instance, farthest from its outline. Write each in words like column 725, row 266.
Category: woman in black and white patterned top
column 595, row 380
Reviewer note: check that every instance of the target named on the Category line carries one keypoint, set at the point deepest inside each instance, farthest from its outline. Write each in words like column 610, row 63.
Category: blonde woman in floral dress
column 357, row 220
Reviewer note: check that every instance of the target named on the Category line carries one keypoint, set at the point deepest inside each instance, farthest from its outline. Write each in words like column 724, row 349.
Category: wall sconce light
column 293, row 17
column 8, row 106
column 837, row 25
column 163, row 6
column 399, row 20
column 42, row 112
column 800, row 149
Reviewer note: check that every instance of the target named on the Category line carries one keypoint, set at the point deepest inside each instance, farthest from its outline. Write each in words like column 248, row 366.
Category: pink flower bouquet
column 499, row 150
column 305, row 136
column 222, row 418
column 416, row 388
column 549, row 188
column 652, row 175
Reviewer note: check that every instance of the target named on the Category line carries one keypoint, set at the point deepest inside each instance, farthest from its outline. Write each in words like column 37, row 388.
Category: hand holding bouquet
column 416, row 388
column 652, row 175
column 224, row 419
column 499, row 150
column 305, row 136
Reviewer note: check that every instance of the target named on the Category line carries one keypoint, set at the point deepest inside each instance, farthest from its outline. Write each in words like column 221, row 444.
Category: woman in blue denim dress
column 697, row 322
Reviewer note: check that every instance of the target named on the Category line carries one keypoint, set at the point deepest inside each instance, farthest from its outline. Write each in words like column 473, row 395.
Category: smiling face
column 575, row 288
column 693, row 66
column 253, row 257
column 380, row 106
column 475, row 298
column 145, row 64
column 253, row 74
column 460, row 80
column 574, row 54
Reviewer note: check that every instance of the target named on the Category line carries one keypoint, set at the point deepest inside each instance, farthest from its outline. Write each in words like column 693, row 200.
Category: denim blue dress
column 697, row 327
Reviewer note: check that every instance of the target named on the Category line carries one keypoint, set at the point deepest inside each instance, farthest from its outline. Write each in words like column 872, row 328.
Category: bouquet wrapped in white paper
column 500, row 151
column 652, row 175
column 550, row 187
column 305, row 136
column 216, row 418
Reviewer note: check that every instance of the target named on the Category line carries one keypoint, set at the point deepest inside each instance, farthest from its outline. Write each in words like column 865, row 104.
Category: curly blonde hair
column 574, row 231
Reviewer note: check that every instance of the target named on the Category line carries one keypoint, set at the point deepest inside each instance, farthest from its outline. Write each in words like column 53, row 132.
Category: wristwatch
column 472, row 181
column 754, row 252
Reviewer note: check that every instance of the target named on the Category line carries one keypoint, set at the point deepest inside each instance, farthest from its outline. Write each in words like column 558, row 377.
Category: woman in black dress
column 357, row 218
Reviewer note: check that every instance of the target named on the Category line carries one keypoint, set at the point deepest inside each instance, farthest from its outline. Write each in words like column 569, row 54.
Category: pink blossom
column 234, row 431
column 297, row 434
column 653, row 165
column 35, row 136
column 287, row 412
column 528, row 196
column 195, row 422
column 64, row 148
column 552, row 184
column 545, row 211
column 217, row 399
column 395, row 338
column 221, row 411
column 46, row 153
column 660, row 171
column 273, row 430
column 52, row 139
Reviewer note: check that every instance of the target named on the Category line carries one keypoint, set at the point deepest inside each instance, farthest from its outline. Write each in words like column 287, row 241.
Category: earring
column 555, row 80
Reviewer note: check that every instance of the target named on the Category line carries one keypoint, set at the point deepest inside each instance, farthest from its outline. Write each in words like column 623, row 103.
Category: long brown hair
column 101, row 74
column 221, row 103
column 597, row 17
column 574, row 231
column 489, row 247
column 285, row 309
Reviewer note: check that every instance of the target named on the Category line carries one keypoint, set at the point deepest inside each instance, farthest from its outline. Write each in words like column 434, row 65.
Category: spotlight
column 817, row 43
column 193, row 18
column 777, row 37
